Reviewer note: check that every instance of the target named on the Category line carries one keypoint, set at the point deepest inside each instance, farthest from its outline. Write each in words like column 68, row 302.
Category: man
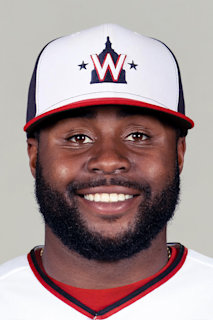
column 106, row 131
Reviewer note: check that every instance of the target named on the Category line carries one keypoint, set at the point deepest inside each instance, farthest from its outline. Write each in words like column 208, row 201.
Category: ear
column 32, row 149
column 181, row 148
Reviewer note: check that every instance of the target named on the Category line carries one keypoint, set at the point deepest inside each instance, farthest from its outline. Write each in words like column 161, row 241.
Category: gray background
column 26, row 26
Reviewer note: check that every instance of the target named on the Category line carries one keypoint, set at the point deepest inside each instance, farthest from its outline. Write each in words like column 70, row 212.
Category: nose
column 108, row 160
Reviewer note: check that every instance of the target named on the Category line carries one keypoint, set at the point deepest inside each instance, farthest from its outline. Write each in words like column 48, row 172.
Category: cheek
column 59, row 173
column 157, row 170
column 60, row 170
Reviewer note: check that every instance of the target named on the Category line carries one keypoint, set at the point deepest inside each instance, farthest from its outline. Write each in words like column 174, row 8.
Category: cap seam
column 175, row 71
column 37, row 93
column 177, row 78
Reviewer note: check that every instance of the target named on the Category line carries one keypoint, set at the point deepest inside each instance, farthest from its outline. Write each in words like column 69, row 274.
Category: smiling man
column 106, row 131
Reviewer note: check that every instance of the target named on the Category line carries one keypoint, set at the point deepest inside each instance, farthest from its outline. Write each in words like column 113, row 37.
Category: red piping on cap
column 109, row 101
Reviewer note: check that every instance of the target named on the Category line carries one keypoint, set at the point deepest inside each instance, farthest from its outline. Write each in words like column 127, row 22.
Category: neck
column 71, row 268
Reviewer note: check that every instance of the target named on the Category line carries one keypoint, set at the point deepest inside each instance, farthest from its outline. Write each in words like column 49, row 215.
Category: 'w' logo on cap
column 108, row 66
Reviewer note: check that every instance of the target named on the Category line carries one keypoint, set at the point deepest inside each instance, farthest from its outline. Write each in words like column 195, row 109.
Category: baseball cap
column 105, row 65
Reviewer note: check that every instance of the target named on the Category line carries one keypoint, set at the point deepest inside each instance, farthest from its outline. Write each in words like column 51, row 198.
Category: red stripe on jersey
column 101, row 298
column 130, row 293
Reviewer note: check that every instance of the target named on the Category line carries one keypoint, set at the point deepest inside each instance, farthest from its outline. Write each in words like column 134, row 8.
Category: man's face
column 107, row 180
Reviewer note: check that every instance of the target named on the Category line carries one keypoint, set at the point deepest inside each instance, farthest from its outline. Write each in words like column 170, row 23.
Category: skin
column 108, row 148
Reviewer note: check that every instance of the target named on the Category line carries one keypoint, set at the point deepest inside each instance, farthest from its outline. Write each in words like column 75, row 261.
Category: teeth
column 113, row 197
column 121, row 197
column 105, row 197
column 97, row 197
column 90, row 197
column 108, row 197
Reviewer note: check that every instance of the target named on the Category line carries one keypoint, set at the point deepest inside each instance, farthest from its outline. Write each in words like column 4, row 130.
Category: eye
column 137, row 136
column 80, row 139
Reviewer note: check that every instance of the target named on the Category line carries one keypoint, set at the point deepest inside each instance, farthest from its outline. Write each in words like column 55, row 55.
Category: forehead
column 117, row 113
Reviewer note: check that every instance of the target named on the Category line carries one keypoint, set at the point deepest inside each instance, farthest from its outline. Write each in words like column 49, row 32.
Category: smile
column 108, row 200
column 107, row 197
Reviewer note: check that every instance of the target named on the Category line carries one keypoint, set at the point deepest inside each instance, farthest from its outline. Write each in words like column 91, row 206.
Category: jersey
column 183, row 291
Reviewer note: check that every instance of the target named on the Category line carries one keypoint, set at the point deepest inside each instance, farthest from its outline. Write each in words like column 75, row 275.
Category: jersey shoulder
column 200, row 260
column 198, row 269
column 13, row 267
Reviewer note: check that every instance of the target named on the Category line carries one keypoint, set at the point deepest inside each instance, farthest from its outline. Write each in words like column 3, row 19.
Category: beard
column 65, row 220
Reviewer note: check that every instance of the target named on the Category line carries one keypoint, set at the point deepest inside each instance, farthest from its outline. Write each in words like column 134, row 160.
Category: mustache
column 75, row 186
